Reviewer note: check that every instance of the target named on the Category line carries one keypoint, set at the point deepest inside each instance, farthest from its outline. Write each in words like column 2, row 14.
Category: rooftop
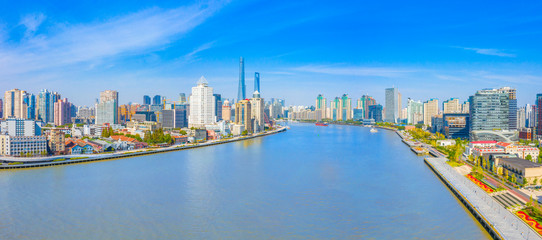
column 520, row 162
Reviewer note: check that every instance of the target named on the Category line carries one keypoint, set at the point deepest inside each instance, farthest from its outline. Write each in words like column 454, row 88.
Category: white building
column 202, row 105
column 23, row 145
column 20, row 127
column 107, row 109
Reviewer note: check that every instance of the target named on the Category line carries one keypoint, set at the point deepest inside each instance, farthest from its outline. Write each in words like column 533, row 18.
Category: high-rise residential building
column 256, row 82
column 521, row 118
column 345, row 108
column 146, row 100
column 1, row 109
column 451, row 106
column 202, row 105
column 30, row 102
column 321, row 107
column 363, row 103
column 512, row 107
column 243, row 115
column 218, row 106
column 241, row 92
column 157, row 100
column 257, row 107
column 62, row 112
column 226, row 110
column 489, row 110
column 14, row 105
column 539, row 114
column 107, row 109
column 334, row 109
column 375, row 112
column 430, row 109
column 414, row 111
column 392, row 105
column 46, row 105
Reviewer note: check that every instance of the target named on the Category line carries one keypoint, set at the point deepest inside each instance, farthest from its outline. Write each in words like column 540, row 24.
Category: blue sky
column 428, row 49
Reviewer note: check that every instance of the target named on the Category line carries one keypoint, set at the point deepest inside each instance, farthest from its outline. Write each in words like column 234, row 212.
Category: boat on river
column 322, row 124
column 373, row 130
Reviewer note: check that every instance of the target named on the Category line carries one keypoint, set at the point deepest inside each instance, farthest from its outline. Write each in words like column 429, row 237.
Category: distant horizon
column 301, row 49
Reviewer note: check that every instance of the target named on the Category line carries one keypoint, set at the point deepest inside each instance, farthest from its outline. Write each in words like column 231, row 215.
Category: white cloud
column 32, row 23
column 70, row 44
column 490, row 51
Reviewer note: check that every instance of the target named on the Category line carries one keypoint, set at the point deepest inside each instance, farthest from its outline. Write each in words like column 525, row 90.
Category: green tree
column 529, row 157
column 67, row 136
column 244, row 133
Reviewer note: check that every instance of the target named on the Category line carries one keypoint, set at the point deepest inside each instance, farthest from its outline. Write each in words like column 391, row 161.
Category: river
column 310, row 182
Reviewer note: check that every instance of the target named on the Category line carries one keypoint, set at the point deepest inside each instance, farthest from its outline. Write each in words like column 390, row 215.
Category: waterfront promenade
column 49, row 161
column 501, row 223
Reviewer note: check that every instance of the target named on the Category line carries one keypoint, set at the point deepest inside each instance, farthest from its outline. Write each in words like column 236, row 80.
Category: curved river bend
column 310, row 182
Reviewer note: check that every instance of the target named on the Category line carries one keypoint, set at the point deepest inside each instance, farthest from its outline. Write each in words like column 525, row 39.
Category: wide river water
column 310, row 182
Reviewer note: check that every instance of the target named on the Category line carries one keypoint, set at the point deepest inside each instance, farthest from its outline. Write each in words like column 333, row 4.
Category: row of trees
column 157, row 136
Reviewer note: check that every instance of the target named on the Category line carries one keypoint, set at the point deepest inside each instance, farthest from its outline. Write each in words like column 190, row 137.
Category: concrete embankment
column 141, row 152
column 497, row 220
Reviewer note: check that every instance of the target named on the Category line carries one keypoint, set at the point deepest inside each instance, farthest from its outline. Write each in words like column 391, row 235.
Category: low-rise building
column 77, row 146
column 23, row 145
column 520, row 169
column 447, row 142
column 520, row 150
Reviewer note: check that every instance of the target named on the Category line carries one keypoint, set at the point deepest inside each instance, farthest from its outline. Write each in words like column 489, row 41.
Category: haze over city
column 428, row 50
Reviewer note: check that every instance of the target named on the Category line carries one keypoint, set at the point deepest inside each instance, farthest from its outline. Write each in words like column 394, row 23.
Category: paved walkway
column 503, row 221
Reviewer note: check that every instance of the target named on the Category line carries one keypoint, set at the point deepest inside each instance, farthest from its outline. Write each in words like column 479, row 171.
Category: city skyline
column 342, row 48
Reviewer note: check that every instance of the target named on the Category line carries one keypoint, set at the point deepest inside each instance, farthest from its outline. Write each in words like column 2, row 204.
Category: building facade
column 14, row 105
column 202, row 105
column 23, row 145
column 392, row 105
column 243, row 112
column 430, row 110
column 107, row 109
column 451, row 106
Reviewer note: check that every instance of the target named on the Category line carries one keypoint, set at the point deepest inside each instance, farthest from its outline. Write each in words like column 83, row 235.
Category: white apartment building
column 202, row 105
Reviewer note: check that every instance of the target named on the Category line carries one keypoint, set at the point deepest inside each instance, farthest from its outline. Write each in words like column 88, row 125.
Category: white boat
column 373, row 130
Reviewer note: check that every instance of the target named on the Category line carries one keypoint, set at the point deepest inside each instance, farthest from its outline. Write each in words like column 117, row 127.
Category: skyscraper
column 243, row 115
column 512, row 107
column 218, row 106
column 107, row 109
column 146, row 100
column 241, row 94
column 257, row 107
column 345, row 108
column 539, row 115
column 30, row 101
column 414, row 111
column 321, row 107
column 157, row 100
column 363, row 103
column 430, row 109
column 489, row 110
column 14, row 105
column 62, row 112
column 46, row 105
column 375, row 112
column 202, row 105
column 257, row 82
column 392, row 105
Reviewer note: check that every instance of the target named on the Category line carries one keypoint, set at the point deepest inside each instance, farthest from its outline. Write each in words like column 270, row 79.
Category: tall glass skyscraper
column 30, row 101
column 257, row 82
column 489, row 110
column 392, row 105
column 46, row 108
column 157, row 100
column 146, row 100
column 241, row 94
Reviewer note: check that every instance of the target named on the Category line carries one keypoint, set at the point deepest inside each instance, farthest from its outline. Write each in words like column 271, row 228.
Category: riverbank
column 63, row 160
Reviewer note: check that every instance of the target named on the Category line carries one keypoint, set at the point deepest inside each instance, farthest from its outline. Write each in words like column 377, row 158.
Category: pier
column 497, row 220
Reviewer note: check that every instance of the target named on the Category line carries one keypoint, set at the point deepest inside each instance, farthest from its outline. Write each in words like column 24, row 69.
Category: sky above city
column 428, row 49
